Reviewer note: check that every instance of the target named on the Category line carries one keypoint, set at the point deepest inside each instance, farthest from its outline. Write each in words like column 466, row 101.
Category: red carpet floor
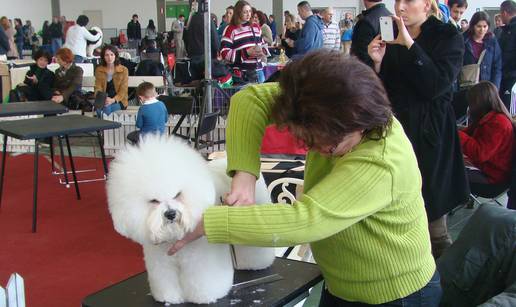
column 76, row 251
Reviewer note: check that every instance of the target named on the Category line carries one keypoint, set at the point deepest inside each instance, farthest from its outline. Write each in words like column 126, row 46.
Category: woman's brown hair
column 103, row 53
column 325, row 96
column 483, row 98
column 237, row 12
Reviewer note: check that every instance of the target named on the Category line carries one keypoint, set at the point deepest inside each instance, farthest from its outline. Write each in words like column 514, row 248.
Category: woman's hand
column 33, row 78
column 57, row 98
column 376, row 50
column 254, row 52
column 403, row 38
column 109, row 101
column 189, row 237
column 242, row 189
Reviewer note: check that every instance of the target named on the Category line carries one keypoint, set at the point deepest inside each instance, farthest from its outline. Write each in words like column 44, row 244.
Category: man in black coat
column 194, row 42
column 134, row 32
column 367, row 28
column 4, row 42
column 507, row 43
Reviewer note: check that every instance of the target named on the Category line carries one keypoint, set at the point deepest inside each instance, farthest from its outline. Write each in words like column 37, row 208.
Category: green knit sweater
column 362, row 213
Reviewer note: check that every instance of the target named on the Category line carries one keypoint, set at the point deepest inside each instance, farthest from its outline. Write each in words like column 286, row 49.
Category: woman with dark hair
column 19, row 37
column 68, row 78
column 150, row 32
column 111, row 78
column 77, row 38
column 45, row 33
column 361, row 210
column 38, row 80
column 488, row 140
column 242, row 45
column 480, row 42
column 260, row 18
column 418, row 69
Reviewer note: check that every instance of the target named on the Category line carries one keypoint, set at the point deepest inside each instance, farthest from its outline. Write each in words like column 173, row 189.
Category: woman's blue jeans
column 108, row 109
column 428, row 296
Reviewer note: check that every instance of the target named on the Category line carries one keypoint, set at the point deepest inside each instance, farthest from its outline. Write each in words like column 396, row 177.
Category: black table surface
column 31, row 108
column 37, row 128
column 298, row 277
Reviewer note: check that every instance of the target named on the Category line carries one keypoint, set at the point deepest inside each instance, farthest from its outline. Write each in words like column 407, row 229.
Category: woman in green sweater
column 362, row 210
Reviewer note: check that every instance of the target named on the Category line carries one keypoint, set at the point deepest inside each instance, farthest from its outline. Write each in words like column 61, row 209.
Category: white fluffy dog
column 157, row 192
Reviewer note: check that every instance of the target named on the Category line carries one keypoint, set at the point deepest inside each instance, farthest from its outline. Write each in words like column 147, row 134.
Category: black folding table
column 55, row 126
column 46, row 108
column 297, row 278
column 31, row 108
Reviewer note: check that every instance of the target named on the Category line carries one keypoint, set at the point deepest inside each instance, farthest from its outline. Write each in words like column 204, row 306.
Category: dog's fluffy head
column 158, row 190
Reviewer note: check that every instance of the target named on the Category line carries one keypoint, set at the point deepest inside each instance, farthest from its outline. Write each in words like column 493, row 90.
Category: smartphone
column 386, row 28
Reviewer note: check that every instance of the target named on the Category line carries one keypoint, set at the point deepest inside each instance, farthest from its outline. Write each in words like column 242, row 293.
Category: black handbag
column 183, row 72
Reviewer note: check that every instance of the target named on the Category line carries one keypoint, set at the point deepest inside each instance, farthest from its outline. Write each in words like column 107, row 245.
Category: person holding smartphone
column 242, row 45
column 38, row 81
column 418, row 69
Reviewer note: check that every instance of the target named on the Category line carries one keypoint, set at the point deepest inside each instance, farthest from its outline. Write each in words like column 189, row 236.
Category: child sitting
column 152, row 115
column 488, row 141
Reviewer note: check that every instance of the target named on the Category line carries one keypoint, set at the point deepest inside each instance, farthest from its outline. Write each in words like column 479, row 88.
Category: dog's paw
column 168, row 298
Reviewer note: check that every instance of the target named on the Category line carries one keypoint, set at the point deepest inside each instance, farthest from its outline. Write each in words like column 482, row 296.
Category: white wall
column 218, row 7
column 291, row 5
column 115, row 13
column 37, row 11
column 473, row 5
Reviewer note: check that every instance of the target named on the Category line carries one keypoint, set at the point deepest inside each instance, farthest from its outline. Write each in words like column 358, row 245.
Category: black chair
column 207, row 123
column 183, row 106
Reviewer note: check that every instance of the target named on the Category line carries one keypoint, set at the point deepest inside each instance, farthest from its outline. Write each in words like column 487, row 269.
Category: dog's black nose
column 170, row 214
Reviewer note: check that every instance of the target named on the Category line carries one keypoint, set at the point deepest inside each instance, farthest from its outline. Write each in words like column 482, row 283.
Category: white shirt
column 76, row 39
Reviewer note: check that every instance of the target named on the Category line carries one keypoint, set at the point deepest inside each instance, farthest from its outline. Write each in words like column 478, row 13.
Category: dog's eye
column 177, row 195
column 154, row 201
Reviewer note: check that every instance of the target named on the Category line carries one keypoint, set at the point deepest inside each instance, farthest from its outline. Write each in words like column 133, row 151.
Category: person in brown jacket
column 111, row 78
column 68, row 78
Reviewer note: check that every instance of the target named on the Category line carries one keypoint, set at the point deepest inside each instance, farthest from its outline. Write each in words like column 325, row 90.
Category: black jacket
column 365, row 30
column 507, row 43
column 480, row 266
column 419, row 84
column 42, row 90
column 56, row 30
column 4, row 42
column 134, row 31
column 194, row 37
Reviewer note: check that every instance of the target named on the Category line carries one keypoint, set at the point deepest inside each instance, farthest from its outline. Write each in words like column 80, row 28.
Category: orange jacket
column 120, row 77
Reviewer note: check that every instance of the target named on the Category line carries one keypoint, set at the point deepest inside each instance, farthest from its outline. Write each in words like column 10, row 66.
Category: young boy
column 152, row 115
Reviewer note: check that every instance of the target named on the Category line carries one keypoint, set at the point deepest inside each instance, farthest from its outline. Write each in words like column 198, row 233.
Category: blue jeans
column 56, row 44
column 108, row 109
column 428, row 296
column 261, row 76
column 78, row 59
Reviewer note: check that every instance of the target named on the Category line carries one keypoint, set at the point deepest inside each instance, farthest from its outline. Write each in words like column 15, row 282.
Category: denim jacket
column 491, row 66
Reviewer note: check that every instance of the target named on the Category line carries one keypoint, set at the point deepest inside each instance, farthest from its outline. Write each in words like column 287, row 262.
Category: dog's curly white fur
column 157, row 192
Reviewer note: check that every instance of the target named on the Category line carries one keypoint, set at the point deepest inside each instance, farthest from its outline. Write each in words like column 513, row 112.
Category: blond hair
column 434, row 10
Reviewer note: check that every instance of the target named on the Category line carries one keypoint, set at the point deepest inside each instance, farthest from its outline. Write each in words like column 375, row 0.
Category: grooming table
column 55, row 126
column 298, row 278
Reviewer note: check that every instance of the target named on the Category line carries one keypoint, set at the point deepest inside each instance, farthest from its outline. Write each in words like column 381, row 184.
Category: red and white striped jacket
column 235, row 42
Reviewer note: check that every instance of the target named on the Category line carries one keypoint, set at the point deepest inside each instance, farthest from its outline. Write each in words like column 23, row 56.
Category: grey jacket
column 480, row 267
column 4, row 42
